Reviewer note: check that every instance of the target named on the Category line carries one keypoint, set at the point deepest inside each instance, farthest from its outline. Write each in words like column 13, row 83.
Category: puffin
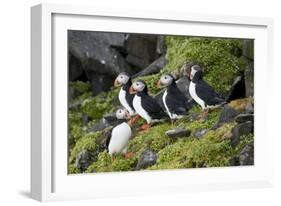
column 120, row 134
column 125, row 98
column 145, row 105
column 201, row 91
column 175, row 102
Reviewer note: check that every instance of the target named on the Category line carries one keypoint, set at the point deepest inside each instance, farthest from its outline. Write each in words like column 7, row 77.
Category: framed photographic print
column 138, row 102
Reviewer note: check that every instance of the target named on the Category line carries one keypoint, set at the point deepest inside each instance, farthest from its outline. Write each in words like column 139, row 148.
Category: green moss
column 244, row 140
column 155, row 139
column 212, row 150
column 217, row 55
column 99, row 105
column 117, row 163
column 80, row 86
column 208, row 123
column 86, row 142
column 72, row 169
column 240, row 104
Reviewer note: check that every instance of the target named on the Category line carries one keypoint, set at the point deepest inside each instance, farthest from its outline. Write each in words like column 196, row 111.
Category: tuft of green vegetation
column 86, row 142
column 116, row 163
column 80, row 86
column 96, row 107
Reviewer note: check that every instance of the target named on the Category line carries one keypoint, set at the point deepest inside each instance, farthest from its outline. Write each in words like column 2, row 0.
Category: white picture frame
column 49, row 179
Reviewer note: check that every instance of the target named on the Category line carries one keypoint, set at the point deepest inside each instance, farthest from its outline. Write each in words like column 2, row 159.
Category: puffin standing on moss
column 201, row 91
column 174, row 100
column 120, row 134
column 125, row 98
column 145, row 105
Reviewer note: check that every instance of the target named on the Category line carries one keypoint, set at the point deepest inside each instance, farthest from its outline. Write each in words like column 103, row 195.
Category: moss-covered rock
column 86, row 142
column 217, row 55
column 211, row 151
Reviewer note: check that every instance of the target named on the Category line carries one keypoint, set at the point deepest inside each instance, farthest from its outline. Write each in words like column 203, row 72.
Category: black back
column 150, row 105
column 129, row 97
column 205, row 91
column 176, row 101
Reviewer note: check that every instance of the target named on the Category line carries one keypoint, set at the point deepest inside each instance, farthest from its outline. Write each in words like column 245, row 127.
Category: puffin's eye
column 121, row 77
column 165, row 77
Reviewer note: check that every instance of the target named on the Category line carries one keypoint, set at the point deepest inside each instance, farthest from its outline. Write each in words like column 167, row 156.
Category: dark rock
column 107, row 121
column 239, row 130
column 234, row 161
column 161, row 45
column 249, row 108
column 137, row 61
column 228, row 114
column 249, row 79
column 248, row 49
column 147, row 159
column 84, row 119
column 178, row 133
column 143, row 47
column 237, row 90
column 199, row 133
column 99, row 82
column 84, row 159
column 95, row 52
column 246, row 156
column 75, row 70
column 241, row 118
column 153, row 68
column 99, row 126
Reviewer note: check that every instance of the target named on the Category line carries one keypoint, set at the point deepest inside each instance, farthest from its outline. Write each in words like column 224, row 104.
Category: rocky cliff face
column 223, row 138
column 99, row 57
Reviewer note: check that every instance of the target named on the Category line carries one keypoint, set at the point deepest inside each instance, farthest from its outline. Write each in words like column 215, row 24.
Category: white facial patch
column 138, row 86
column 120, row 114
column 122, row 79
column 166, row 80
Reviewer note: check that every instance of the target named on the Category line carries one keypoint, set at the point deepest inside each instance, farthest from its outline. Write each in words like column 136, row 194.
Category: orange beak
column 132, row 91
column 159, row 84
column 116, row 83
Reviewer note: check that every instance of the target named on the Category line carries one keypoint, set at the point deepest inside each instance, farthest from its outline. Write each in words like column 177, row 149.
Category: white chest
column 171, row 115
column 119, row 138
column 193, row 94
column 165, row 104
column 122, row 99
column 140, row 110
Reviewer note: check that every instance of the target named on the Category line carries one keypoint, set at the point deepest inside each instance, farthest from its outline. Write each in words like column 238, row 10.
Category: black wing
column 107, row 138
column 177, row 102
column 151, row 106
column 208, row 94
column 129, row 98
